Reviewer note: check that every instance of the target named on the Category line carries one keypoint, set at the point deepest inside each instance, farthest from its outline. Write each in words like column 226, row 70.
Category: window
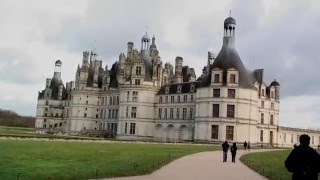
column 172, row 99
column 132, row 128
column 179, row 89
column 230, row 111
column 165, row 113
column 133, row 112
column 232, row 78
column 166, row 99
column 160, row 113
column 214, row 131
column 271, row 119
column 262, row 92
column 137, row 81
column 184, row 113
column 125, row 128
column 112, row 113
column 178, row 113
column 231, row 93
column 127, row 111
column 167, row 90
column 185, row 98
column 171, row 113
column 229, row 132
column 178, row 98
column 261, row 135
column 216, row 78
column 160, row 99
column 191, row 113
column 138, row 70
column 216, row 92
column 128, row 95
column 262, row 118
column 272, row 94
column 191, row 97
column 134, row 96
column 215, row 110
column 47, row 102
column 109, row 114
column 86, row 102
column 85, row 115
column 116, row 113
column 106, row 101
column 262, row 104
column 272, row 105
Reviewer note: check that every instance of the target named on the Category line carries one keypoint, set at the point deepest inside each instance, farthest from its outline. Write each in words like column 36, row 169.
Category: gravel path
column 202, row 166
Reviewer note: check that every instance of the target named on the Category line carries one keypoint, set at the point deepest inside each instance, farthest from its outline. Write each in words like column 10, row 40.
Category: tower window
column 262, row 118
column 216, row 92
column 215, row 110
column 232, row 78
column 230, row 111
column 216, row 78
column 214, row 131
column 261, row 135
column 229, row 132
column 231, row 93
column 271, row 119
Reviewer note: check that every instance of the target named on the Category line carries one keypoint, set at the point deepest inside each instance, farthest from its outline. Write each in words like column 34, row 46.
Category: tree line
column 11, row 118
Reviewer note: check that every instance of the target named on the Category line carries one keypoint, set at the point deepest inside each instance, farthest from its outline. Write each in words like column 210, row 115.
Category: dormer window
column 232, row 78
column 262, row 92
column 272, row 94
column 192, row 88
column 216, row 78
column 179, row 89
column 167, row 90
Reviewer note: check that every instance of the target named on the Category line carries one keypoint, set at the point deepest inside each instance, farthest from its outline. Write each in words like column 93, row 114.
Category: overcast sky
column 281, row 37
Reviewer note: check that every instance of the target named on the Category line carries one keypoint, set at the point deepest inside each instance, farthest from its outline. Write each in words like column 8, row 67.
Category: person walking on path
column 225, row 147
column 303, row 161
column 249, row 147
column 245, row 145
column 233, row 150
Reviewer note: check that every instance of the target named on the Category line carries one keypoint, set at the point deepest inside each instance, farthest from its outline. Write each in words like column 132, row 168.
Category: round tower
column 277, row 88
column 145, row 41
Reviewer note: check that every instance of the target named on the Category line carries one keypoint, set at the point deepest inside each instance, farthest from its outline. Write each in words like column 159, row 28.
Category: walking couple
column 233, row 149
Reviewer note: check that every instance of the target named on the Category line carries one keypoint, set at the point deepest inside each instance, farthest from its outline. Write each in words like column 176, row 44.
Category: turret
column 57, row 70
column 277, row 88
column 210, row 61
column 145, row 51
column 85, row 59
column 130, row 49
column 178, row 69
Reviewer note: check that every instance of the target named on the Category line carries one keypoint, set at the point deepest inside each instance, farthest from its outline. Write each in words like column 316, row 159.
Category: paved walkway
column 202, row 166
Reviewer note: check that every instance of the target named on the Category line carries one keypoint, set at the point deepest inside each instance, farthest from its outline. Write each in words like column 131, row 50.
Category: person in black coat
column 245, row 145
column 303, row 161
column 225, row 147
column 233, row 150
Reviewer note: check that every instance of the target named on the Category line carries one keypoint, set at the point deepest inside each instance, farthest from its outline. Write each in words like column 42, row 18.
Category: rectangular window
column 272, row 105
column 109, row 114
column 185, row 98
column 127, row 111
column 178, row 98
column 85, row 115
column 160, row 99
column 184, row 113
column 262, row 92
column 229, row 132
column 191, row 97
column 261, row 135
column 128, row 95
column 216, row 78
column 178, row 113
column 86, row 102
column 214, row 131
column 132, row 128
column 215, row 110
column 231, row 93
column 191, row 113
column 134, row 96
column 138, row 70
column 271, row 119
column 125, row 128
column 172, row 99
column 171, row 113
column 106, row 101
column 232, row 78
column 160, row 113
column 137, row 81
column 112, row 113
column 230, row 111
column 262, row 104
column 216, row 92
column 165, row 113
column 133, row 112
column 116, row 113
column 262, row 118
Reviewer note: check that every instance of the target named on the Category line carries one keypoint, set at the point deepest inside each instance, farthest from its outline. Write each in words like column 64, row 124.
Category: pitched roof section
column 173, row 88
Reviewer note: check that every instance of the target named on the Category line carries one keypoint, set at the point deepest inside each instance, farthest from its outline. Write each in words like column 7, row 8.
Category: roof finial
column 147, row 30
column 230, row 13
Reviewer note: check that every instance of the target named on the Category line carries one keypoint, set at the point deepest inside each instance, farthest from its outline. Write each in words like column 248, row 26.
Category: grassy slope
column 79, row 160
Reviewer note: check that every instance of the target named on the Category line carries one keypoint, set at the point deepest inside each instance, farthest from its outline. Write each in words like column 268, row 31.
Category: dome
column 274, row 83
column 58, row 62
column 145, row 36
column 229, row 20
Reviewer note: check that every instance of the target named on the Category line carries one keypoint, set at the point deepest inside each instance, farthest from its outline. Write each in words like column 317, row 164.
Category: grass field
column 84, row 160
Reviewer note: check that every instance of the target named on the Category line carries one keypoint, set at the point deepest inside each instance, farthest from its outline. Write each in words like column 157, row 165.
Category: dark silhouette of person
column 233, row 150
column 245, row 145
column 225, row 147
column 249, row 146
column 303, row 161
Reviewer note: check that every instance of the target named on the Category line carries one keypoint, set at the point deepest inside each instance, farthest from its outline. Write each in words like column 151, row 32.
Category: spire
column 153, row 44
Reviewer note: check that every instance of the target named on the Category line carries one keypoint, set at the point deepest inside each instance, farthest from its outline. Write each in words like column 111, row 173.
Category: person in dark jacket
column 233, row 150
column 245, row 145
column 225, row 147
column 303, row 161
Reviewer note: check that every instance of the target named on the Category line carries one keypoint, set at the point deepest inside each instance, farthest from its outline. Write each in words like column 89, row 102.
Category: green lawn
column 83, row 160
column 269, row 164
